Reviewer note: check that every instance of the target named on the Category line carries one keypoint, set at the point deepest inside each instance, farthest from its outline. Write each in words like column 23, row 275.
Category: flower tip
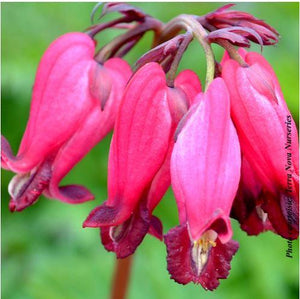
column 103, row 216
column 85, row 224
column 73, row 194
column 89, row 222
column 12, row 206
column 156, row 229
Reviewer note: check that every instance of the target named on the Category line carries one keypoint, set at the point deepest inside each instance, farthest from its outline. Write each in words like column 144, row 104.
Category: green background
column 45, row 252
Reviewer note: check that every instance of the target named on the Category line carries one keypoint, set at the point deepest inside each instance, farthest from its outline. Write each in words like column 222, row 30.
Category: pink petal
column 264, row 125
column 61, row 85
column 179, row 98
column 114, row 218
column 95, row 127
column 189, row 83
column 260, row 123
column 283, row 111
column 141, row 137
column 205, row 164
column 187, row 86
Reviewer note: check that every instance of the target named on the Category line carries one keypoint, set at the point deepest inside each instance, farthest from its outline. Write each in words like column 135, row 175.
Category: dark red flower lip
column 188, row 263
column 25, row 189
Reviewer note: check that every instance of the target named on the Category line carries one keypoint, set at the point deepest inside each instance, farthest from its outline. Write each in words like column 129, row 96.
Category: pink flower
column 73, row 107
column 139, row 159
column 205, row 171
column 268, row 138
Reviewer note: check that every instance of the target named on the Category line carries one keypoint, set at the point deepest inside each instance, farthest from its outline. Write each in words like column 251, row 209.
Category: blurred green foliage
column 45, row 252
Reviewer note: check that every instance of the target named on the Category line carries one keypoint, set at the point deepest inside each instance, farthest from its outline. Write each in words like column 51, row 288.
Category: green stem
column 189, row 23
column 172, row 72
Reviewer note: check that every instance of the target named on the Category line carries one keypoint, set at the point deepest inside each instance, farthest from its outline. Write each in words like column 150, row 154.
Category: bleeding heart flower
column 205, row 172
column 139, row 159
column 268, row 138
column 74, row 104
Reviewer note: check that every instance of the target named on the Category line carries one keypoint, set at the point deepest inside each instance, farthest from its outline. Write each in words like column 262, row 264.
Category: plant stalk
column 121, row 278
column 190, row 24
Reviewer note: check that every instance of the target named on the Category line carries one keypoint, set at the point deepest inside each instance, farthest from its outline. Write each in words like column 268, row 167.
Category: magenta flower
column 73, row 107
column 205, row 171
column 268, row 138
column 138, row 169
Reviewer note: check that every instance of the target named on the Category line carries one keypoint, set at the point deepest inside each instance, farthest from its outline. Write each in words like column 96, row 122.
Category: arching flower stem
column 131, row 35
column 189, row 23
column 172, row 72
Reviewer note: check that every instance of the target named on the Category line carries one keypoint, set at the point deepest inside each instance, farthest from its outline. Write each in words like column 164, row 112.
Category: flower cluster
column 228, row 148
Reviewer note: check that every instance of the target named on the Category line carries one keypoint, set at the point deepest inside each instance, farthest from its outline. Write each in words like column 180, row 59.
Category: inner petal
column 26, row 188
column 201, row 249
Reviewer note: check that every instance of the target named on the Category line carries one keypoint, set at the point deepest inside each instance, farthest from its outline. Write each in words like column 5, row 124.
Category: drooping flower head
column 231, row 151
column 73, row 107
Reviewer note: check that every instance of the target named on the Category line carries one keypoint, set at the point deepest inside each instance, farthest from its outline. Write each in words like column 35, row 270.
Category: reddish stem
column 121, row 278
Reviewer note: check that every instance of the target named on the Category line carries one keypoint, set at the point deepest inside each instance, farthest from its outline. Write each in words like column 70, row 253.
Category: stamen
column 17, row 183
column 115, row 232
column 201, row 248
column 261, row 214
column 118, row 232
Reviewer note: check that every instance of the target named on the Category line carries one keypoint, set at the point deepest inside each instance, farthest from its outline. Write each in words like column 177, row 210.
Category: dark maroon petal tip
column 206, row 270
column 224, row 8
column 12, row 206
column 123, row 8
column 102, row 216
column 218, row 265
column 283, row 213
column 247, row 210
column 156, row 228
column 124, row 239
column 75, row 194
column 25, row 189
column 255, row 224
